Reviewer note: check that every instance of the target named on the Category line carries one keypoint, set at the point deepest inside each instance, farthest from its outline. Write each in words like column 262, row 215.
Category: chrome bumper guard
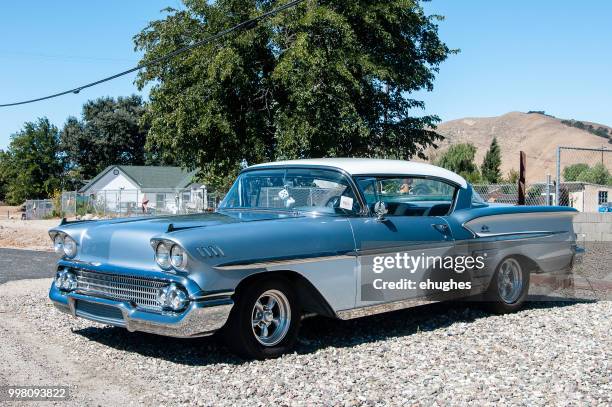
column 201, row 318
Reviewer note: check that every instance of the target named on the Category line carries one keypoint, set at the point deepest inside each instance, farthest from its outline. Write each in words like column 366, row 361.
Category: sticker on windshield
column 346, row 203
column 283, row 194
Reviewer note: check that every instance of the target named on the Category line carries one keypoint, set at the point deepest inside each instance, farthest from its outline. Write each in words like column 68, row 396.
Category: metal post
column 558, row 186
column 548, row 179
column 205, row 199
column 522, row 178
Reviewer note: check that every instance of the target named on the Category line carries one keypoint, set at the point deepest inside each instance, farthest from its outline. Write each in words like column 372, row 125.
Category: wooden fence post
column 521, row 180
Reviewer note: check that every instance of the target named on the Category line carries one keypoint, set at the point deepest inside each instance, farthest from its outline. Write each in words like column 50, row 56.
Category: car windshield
column 293, row 189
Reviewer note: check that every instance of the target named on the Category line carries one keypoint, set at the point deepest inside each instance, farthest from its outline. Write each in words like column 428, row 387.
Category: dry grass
column 25, row 234
column 7, row 212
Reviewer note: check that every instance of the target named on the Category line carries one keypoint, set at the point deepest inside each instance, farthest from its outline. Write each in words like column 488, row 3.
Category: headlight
column 65, row 280
column 70, row 247
column 177, row 299
column 70, row 282
column 162, row 256
column 59, row 278
column 172, row 297
column 58, row 244
column 178, row 258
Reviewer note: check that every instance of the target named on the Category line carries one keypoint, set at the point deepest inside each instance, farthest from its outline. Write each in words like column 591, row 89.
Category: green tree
column 598, row 174
column 512, row 177
column 31, row 167
column 572, row 172
column 4, row 157
column 327, row 78
column 111, row 131
column 491, row 164
column 459, row 158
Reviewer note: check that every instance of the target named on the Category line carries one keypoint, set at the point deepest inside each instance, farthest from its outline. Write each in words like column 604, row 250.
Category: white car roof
column 372, row 166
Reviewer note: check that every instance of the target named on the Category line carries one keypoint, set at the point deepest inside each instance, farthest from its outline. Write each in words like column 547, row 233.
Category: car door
column 406, row 248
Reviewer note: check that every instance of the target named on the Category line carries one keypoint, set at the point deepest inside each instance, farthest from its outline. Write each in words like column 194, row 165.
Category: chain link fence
column 584, row 178
column 39, row 209
column 126, row 203
column 537, row 194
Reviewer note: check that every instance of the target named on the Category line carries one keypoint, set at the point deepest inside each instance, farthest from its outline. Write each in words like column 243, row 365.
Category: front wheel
column 509, row 287
column 265, row 320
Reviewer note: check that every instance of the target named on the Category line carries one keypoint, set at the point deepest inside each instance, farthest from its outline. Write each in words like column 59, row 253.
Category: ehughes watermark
column 401, row 275
column 427, row 285
column 411, row 264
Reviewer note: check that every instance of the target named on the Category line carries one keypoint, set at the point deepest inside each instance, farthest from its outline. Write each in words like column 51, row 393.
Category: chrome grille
column 137, row 290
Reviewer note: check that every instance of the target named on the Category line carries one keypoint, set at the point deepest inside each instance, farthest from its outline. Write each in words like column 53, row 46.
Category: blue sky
column 515, row 55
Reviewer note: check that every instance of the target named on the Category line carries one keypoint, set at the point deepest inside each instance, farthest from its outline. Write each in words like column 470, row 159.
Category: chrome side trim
column 276, row 263
column 382, row 308
column 407, row 246
column 511, row 216
column 213, row 295
column 522, row 235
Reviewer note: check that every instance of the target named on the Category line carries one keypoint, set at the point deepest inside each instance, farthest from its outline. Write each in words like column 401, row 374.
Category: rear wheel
column 265, row 320
column 509, row 287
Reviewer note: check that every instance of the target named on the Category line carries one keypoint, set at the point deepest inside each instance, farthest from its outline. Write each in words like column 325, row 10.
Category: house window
column 160, row 201
column 602, row 197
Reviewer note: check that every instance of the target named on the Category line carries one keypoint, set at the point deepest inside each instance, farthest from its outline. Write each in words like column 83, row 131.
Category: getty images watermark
column 404, row 275
column 418, row 266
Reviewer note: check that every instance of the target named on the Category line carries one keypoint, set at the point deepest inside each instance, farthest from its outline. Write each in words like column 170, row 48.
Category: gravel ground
column 26, row 234
column 597, row 262
column 551, row 353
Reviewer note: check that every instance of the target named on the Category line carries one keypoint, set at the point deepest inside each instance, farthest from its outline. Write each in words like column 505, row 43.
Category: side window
column 408, row 196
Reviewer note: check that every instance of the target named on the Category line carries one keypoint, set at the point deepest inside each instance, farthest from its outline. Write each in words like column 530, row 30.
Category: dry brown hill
column 536, row 134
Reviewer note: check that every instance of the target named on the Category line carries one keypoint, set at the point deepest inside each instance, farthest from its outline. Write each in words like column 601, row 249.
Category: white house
column 132, row 189
column 588, row 197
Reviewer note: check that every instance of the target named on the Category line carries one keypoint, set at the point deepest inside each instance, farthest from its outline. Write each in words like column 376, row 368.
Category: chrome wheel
column 271, row 317
column 510, row 281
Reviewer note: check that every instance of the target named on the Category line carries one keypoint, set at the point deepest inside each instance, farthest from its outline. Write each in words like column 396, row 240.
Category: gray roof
column 150, row 177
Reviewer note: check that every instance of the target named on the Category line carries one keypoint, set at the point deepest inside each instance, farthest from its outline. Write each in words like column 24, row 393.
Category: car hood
column 126, row 242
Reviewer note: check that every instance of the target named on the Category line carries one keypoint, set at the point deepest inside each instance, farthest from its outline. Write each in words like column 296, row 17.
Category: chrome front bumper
column 201, row 318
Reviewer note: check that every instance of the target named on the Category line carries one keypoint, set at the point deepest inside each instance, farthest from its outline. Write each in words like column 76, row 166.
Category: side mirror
column 380, row 209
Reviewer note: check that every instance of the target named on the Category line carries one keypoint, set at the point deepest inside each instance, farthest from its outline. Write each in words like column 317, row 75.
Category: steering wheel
column 421, row 189
column 333, row 202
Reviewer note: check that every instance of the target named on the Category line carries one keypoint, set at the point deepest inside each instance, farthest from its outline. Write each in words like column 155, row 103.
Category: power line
column 245, row 25
column 11, row 54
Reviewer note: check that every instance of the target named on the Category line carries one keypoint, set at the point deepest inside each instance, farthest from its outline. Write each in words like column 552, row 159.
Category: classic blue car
column 341, row 238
